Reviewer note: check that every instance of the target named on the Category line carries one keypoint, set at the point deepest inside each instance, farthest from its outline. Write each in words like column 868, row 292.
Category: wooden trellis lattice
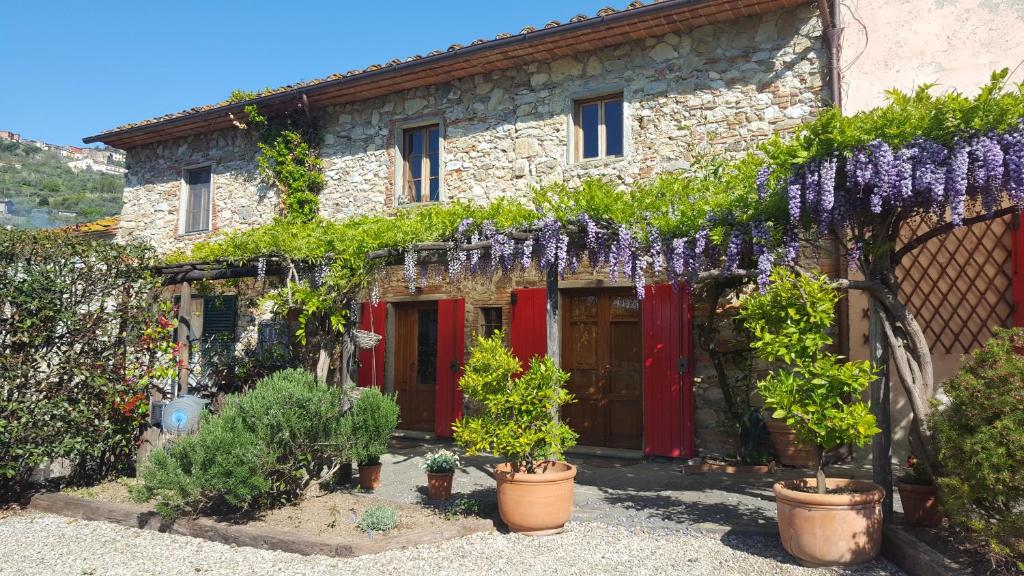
column 960, row 286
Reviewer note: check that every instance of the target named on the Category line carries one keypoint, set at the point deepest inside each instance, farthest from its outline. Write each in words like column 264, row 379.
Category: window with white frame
column 197, row 199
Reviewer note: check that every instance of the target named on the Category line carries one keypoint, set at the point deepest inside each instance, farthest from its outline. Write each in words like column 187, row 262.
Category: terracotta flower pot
column 536, row 504
column 920, row 504
column 830, row 529
column 439, row 485
column 369, row 476
column 791, row 451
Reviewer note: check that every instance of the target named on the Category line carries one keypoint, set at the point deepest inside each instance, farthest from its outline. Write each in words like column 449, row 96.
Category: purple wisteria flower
column 734, row 250
column 410, row 269
column 956, row 182
column 657, row 249
column 762, row 181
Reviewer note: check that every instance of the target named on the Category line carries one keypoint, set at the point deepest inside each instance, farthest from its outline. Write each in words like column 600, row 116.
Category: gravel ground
column 42, row 544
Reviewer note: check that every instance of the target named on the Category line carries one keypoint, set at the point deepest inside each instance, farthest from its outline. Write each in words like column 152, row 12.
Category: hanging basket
column 365, row 339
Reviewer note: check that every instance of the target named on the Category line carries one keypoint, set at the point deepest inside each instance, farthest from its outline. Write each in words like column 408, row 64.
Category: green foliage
column 441, row 461
column 715, row 192
column 261, row 450
column 34, row 177
column 288, row 160
column 81, row 342
column 517, row 419
column 904, row 117
column 980, row 435
column 815, row 392
column 239, row 95
column 379, row 518
column 372, row 420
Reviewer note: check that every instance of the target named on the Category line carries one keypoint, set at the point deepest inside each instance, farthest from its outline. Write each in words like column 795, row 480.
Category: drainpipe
column 831, row 23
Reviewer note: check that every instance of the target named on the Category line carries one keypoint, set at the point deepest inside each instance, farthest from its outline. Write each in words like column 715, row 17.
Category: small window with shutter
column 197, row 199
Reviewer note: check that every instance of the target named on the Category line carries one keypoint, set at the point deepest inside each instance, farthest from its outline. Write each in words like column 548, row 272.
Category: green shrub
column 81, row 343
column 980, row 435
column 517, row 419
column 262, row 449
column 378, row 518
column 791, row 322
column 373, row 420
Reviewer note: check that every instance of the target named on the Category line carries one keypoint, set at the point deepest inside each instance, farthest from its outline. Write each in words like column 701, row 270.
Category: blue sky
column 70, row 69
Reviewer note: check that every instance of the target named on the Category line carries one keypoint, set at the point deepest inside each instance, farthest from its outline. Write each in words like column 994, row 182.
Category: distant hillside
column 39, row 179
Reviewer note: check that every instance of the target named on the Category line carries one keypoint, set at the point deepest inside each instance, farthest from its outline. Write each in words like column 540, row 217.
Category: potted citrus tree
column 440, row 466
column 822, row 521
column 373, row 420
column 516, row 419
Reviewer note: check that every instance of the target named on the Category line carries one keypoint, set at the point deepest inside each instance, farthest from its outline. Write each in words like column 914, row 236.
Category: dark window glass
column 613, row 127
column 590, row 125
column 422, row 164
column 426, row 352
column 197, row 208
column 490, row 320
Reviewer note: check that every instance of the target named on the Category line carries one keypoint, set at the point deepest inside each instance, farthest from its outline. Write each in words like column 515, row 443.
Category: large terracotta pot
column 536, row 504
column 369, row 476
column 791, row 451
column 920, row 504
column 830, row 529
column 439, row 485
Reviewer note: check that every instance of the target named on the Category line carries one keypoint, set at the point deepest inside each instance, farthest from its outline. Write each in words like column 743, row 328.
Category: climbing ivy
column 288, row 160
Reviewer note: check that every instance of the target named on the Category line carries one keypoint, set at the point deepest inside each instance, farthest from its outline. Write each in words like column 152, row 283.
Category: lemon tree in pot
column 822, row 521
column 515, row 418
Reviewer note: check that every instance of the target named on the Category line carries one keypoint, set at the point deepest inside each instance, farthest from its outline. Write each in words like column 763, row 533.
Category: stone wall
column 719, row 88
column 153, row 188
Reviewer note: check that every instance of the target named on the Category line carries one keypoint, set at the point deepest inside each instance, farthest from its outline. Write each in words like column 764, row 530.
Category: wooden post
column 552, row 323
column 881, row 444
column 184, row 326
column 552, row 315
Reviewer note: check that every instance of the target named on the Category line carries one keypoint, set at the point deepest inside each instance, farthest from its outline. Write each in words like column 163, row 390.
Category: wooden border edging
column 915, row 557
column 237, row 535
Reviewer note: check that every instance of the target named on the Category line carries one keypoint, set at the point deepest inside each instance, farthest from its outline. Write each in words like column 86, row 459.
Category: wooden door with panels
column 415, row 355
column 602, row 342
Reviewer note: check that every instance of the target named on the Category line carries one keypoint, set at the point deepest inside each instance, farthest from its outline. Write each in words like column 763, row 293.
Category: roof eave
column 285, row 98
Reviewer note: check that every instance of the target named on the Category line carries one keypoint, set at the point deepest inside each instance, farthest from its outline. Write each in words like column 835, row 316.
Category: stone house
column 620, row 96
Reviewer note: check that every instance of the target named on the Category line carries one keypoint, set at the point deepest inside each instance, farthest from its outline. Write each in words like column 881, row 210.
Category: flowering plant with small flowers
column 440, row 461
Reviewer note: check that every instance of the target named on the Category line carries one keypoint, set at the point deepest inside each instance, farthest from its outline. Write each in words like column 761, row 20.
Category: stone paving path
column 630, row 493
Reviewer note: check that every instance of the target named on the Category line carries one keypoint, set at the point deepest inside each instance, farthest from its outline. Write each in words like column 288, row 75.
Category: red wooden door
column 601, row 350
column 668, row 372
column 415, row 360
column 451, row 345
column 528, row 333
column 371, row 361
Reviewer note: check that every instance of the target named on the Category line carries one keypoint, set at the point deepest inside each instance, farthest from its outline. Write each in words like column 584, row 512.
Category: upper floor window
column 598, row 123
column 421, row 154
column 197, row 199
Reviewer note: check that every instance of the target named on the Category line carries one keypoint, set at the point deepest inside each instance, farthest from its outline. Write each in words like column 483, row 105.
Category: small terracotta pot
column 920, row 504
column 536, row 504
column 439, row 485
column 369, row 476
column 830, row 529
column 791, row 451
